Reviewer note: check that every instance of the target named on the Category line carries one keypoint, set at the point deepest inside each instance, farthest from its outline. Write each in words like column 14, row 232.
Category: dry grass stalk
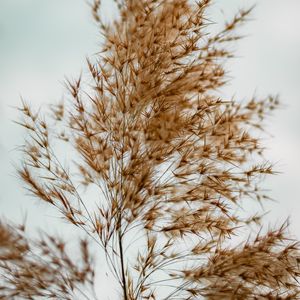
column 170, row 160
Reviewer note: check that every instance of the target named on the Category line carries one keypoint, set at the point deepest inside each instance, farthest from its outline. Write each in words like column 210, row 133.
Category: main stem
column 120, row 218
column 122, row 266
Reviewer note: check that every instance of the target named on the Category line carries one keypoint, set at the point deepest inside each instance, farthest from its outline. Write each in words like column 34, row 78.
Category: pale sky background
column 42, row 41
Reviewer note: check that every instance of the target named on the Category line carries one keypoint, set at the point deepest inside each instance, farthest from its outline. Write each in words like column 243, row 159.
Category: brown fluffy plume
column 167, row 159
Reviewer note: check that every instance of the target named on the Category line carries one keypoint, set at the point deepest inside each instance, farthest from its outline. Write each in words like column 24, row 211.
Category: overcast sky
column 42, row 41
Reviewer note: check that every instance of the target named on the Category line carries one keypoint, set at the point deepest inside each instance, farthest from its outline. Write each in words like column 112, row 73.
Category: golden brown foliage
column 169, row 159
column 42, row 269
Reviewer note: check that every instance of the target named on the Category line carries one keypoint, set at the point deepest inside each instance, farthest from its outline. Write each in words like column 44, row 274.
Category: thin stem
column 120, row 234
column 122, row 266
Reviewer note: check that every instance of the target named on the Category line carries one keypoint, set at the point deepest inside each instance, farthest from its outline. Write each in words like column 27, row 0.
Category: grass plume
column 170, row 161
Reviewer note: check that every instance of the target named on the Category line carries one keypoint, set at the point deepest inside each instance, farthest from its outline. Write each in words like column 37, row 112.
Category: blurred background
column 42, row 42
